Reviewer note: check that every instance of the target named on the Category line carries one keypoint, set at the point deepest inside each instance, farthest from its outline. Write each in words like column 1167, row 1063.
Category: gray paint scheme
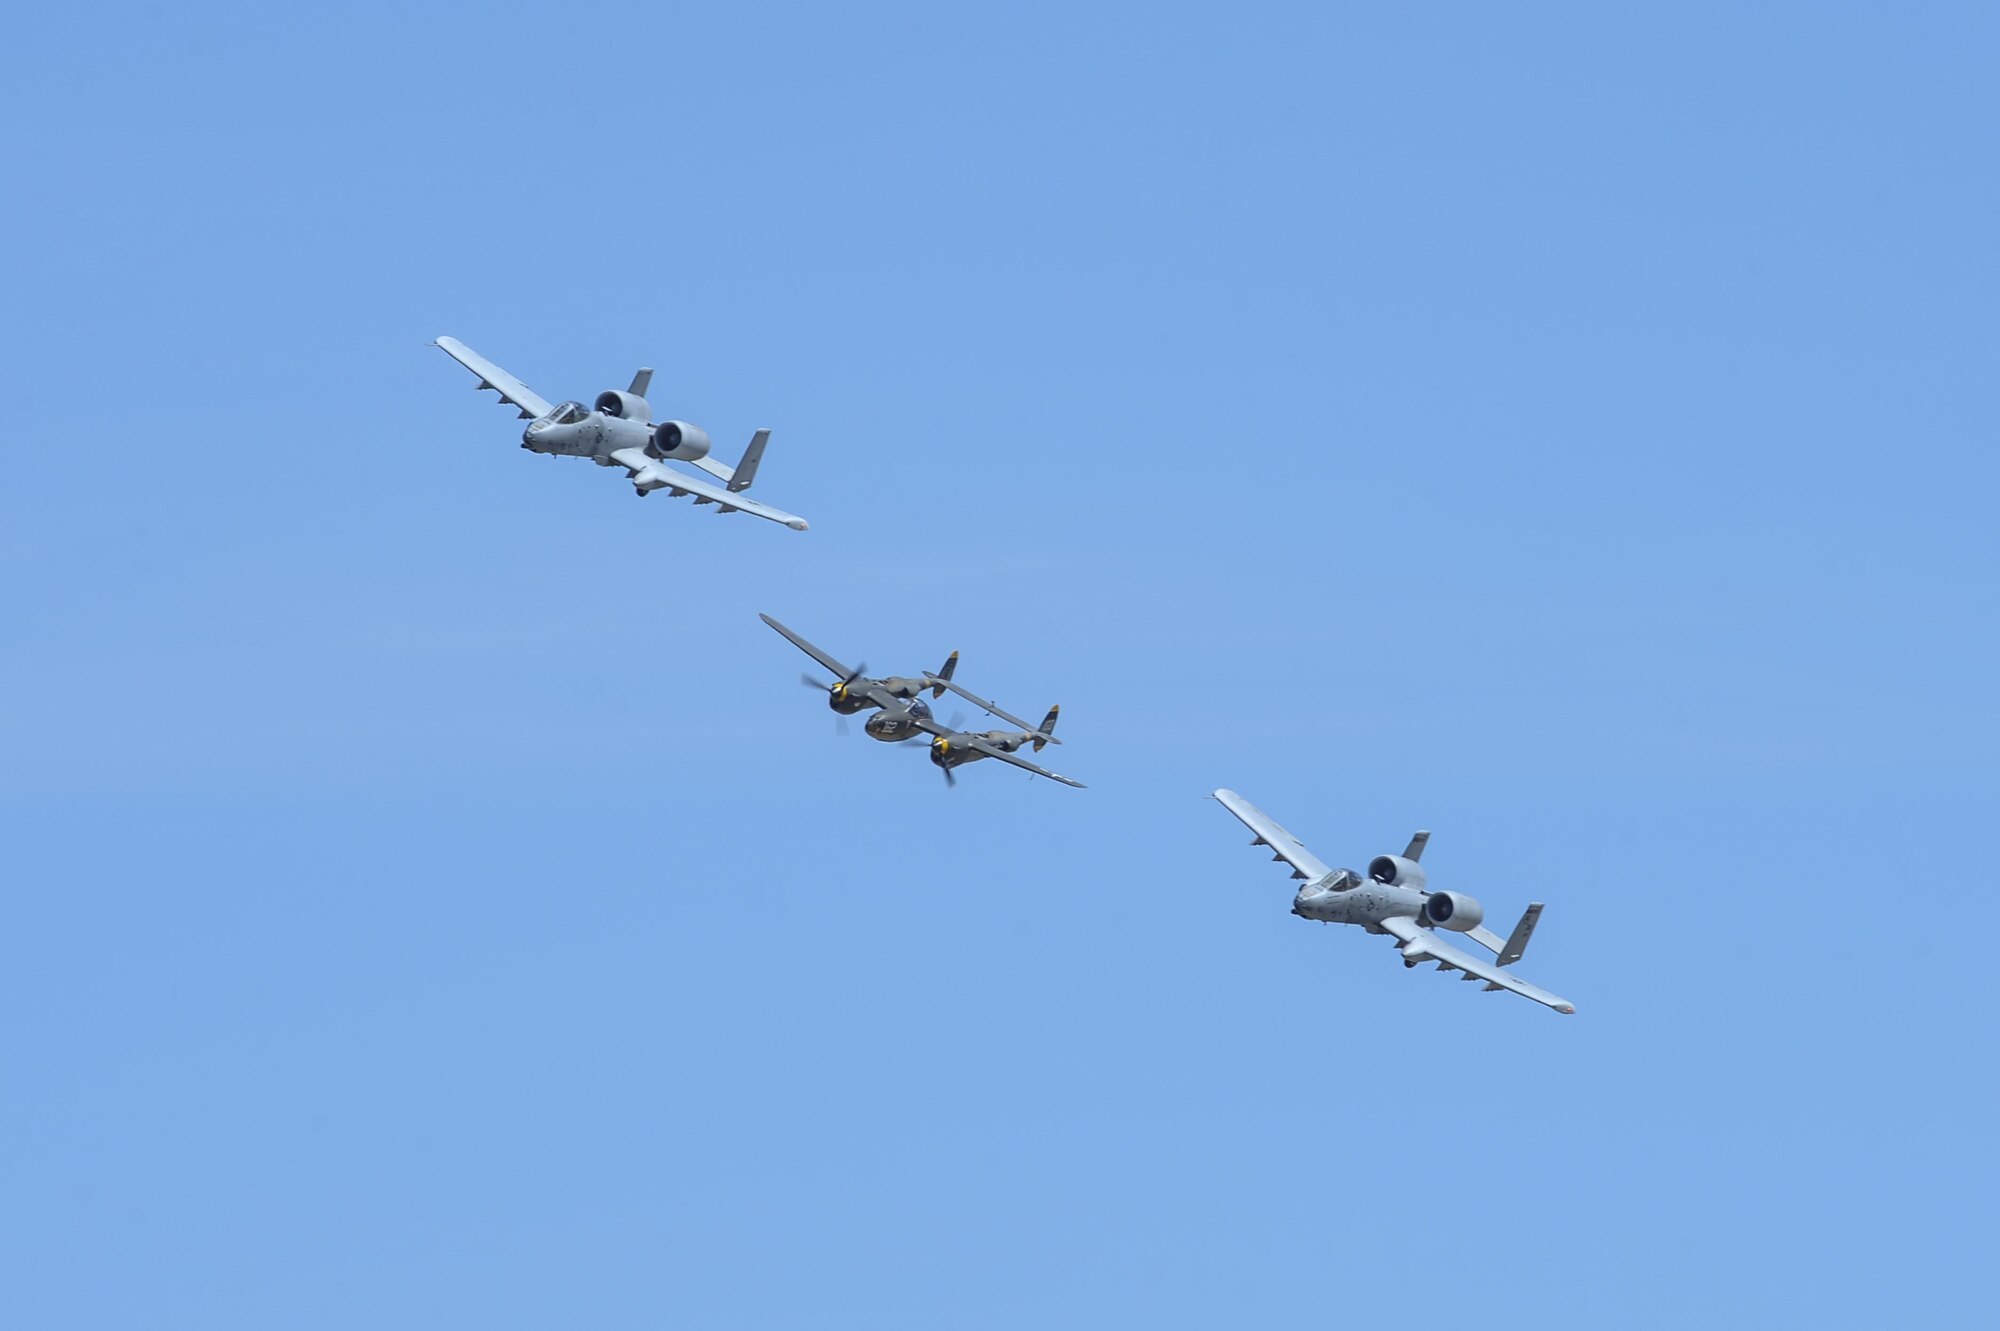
column 619, row 431
column 1392, row 899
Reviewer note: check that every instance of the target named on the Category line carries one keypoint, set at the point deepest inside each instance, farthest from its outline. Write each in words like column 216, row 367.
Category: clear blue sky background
column 431, row 900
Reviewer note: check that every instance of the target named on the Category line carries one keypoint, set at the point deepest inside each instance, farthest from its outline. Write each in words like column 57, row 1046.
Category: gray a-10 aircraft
column 1392, row 900
column 620, row 432
column 898, row 700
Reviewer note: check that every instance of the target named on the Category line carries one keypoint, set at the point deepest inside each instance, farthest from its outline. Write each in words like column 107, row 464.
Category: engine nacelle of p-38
column 678, row 440
column 1395, row 871
column 625, row 406
column 1454, row 910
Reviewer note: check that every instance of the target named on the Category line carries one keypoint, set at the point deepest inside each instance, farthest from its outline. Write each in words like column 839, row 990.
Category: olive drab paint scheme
column 896, row 700
column 903, row 716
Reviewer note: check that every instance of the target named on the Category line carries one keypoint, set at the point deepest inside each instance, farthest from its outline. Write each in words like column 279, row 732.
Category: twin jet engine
column 1445, row 910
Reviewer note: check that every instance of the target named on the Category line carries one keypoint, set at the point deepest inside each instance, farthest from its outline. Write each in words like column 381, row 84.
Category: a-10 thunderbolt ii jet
column 619, row 431
column 1392, row 900
column 898, row 701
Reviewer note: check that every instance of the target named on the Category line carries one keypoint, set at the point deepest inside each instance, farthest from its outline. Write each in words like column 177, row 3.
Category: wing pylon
column 1420, row 944
column 511, row 390
column 1285, row 847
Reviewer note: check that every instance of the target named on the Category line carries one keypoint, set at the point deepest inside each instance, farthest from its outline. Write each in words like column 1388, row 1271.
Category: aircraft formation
column 1392, row 899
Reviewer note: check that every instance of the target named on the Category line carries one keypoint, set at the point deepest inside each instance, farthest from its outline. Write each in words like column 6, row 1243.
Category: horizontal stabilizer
column 988, row 705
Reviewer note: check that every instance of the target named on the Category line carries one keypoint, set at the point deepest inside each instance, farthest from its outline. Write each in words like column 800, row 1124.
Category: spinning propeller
column 836, row 692
column 940, row 745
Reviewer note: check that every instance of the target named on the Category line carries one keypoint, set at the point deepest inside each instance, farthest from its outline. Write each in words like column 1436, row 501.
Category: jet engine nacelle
column 625, row 406
column 1454, row 910
column 1396, row 871
column 678, row 440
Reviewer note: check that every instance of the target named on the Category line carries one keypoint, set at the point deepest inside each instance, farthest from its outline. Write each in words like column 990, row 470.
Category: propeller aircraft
column 953, row 746
column 900, row 709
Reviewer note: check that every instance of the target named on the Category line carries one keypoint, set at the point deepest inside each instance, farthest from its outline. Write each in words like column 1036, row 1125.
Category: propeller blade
column 840, row 726
column 812, row 683
column 950, row 781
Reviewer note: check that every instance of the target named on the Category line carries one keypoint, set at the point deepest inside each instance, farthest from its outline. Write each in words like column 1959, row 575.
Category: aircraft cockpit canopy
column 568, row 413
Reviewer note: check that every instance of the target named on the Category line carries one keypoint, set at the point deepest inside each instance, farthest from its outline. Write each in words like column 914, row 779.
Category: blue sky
column 431, row 898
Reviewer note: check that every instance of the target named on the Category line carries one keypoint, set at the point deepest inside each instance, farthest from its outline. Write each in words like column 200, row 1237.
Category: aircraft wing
column 994, row 708
column 510, row 389
column 839, row 671
column 995, row 751
column 1284, row 846
column 725, row 500
column 1423, row 944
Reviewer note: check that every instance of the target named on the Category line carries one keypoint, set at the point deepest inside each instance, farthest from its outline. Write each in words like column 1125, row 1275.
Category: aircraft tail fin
column 1047, row 731
column 1418, row 841
column 642, row 383
column 1517, row 942
column 1511, row 949
column 943, row 676
column 746, row 470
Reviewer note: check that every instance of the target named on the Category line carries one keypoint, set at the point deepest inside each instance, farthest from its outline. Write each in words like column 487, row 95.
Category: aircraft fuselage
column 595, row 436
column 895, row 726
column 1365, row 904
